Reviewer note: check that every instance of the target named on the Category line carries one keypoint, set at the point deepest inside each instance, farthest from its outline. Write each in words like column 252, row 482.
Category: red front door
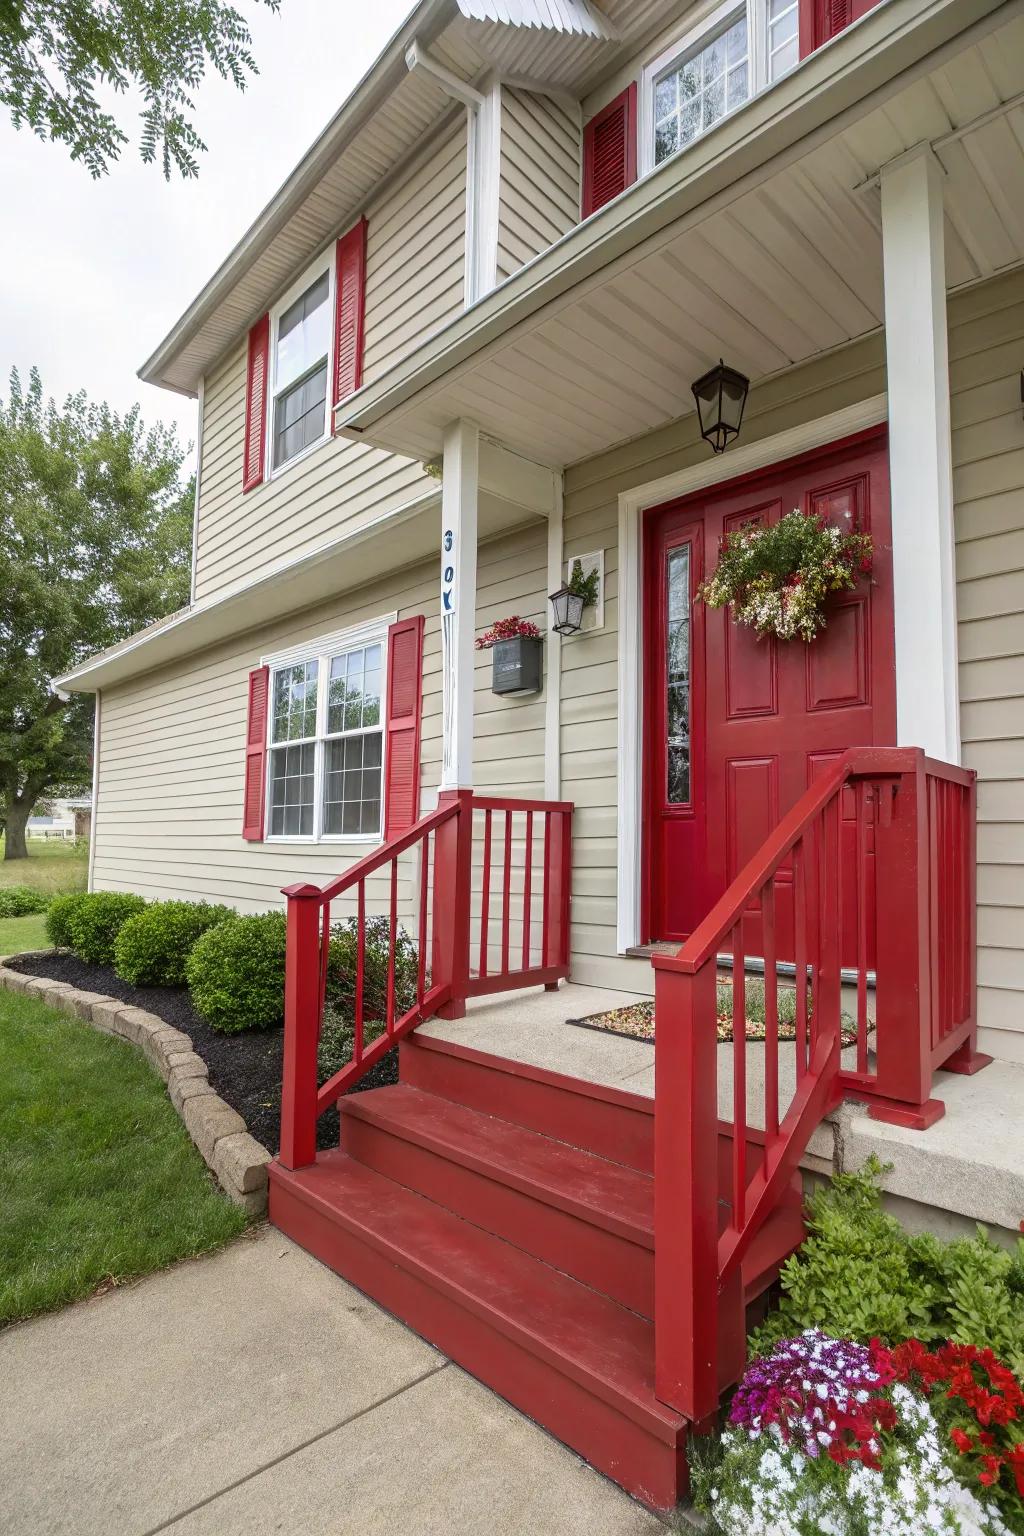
column 736, row 727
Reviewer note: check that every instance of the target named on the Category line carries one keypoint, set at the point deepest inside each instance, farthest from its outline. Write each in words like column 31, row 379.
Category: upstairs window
column 715, row 68
column 301, row 351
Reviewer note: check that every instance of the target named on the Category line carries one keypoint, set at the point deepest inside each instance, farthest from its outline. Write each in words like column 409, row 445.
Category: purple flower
column 792, row 1386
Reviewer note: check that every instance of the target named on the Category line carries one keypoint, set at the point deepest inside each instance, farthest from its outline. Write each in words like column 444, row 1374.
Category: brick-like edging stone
column 236, row 1159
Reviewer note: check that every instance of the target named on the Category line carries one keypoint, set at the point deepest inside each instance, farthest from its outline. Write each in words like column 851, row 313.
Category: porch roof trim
column 875, row 54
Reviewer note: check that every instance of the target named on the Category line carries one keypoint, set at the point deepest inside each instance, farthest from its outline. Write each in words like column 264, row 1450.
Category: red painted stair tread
column 584, row 1334
column 617, row 1197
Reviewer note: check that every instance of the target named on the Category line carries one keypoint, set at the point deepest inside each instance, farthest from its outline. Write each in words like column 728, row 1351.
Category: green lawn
column 18, row 933
column 98, row 1178
column 50, row 866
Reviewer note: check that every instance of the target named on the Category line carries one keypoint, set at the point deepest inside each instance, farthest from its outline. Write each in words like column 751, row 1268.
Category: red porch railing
column 483, row 885
column 890, row 833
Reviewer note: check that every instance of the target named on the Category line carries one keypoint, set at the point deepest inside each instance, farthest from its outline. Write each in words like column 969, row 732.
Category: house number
column 448, row 574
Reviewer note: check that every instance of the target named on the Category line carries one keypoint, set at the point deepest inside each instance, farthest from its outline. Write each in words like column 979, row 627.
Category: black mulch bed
column 245, row 1069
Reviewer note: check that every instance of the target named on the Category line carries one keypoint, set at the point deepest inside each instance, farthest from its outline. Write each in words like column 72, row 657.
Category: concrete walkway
column 255, row 1392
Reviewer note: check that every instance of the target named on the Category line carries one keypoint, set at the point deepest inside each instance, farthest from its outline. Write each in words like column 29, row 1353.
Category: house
column 456, row 353
column 62, row 818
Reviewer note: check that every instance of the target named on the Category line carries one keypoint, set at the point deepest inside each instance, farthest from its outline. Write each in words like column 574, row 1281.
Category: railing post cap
column 303, row 891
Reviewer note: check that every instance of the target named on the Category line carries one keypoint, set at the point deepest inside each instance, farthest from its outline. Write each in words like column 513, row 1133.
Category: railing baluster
column 800, row 954
column 357, row 1030
column 392, row 938
column 506, row 892
column 485, row 898
column 771, row 1014
column 739, row 1077
column 421, row 963
column 861, row 872
column 527, row 891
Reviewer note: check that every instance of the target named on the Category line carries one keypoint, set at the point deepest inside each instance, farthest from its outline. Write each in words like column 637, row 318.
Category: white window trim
column 710, row 20
column 323, row 263
column 374, row 632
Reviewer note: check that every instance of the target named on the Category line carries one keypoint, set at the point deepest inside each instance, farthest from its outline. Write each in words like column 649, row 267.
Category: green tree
column 59, row 57
column 95, row 543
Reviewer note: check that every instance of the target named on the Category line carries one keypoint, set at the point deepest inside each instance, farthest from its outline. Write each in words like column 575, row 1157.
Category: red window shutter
column 349, row 305
column 609, row 152
column 256, row 379
column 821, row 20
column 404, row 701
column 256, row 755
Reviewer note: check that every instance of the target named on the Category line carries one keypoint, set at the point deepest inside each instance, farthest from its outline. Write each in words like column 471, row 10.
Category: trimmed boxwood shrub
column 152, row 947
column 236, row 973
column 58, row 917
column 21, row 901
column 97, row 919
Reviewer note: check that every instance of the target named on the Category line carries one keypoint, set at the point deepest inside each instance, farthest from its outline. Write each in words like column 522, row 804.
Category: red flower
column 992, row 1465
column 961, row 1439
column 1015, row 1460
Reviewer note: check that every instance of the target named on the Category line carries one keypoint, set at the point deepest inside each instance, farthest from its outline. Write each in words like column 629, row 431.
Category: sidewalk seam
column 275, row 1461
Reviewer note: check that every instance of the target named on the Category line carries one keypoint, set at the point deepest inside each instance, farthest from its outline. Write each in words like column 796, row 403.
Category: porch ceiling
column 781, row 268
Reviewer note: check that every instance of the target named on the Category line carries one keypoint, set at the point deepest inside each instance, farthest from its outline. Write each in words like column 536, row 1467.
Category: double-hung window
column 737, row 50
column 325, row 757
column 301, row 343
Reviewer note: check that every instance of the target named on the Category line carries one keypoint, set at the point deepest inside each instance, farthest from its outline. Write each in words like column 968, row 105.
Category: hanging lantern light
column 567, row 610
column 721, row 394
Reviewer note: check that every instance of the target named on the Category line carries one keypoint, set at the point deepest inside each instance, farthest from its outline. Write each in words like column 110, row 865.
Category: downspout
column 95, row 791
column 195, row 509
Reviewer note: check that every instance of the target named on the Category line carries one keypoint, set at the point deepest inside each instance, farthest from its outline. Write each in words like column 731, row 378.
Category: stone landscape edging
column 237, row 1159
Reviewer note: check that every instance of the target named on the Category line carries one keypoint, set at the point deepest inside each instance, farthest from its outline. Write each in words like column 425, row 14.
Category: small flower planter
column 517, row 665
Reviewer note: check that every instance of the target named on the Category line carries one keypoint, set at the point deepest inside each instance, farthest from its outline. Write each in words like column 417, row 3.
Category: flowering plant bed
column 779, row 578
column 828, row 1436
column 514, row 628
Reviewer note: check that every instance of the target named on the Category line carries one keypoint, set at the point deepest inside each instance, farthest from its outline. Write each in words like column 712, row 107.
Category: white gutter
column 891, row 43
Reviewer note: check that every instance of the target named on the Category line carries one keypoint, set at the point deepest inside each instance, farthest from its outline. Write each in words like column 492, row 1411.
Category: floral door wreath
column 778, row 579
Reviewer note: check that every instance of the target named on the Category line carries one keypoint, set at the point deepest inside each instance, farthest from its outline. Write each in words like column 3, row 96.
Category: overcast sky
column 94, row 273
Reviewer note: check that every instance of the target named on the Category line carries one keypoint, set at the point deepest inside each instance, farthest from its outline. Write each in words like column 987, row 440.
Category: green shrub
column 97, row 919
column 152, row 946
column 337, row 1040
column 341, row 969
column 235, row 973
column 58, row 917
column 21, row 901
column 859, row 1275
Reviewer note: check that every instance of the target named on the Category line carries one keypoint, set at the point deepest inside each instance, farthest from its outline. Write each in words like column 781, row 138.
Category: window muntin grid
column 691, row 96
column 326, row 745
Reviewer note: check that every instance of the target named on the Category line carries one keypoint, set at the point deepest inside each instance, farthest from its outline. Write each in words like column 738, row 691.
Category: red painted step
column 572, row 1359
column 586, row 1215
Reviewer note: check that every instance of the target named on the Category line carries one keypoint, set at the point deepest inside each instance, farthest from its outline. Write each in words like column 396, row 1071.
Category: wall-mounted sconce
column 567, row 610
column 721, row 394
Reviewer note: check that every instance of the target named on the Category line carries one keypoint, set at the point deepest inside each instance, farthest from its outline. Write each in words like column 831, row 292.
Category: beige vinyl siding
column 539, row 177
column 986, row 346
column 416, row 253
column 172, row 745
column 309, row 503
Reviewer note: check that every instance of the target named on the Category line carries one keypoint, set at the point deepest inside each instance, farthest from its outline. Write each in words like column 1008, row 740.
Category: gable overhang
column 526, row 360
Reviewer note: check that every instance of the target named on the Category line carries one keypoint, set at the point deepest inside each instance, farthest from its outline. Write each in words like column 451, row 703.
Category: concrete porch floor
column 968, row 1167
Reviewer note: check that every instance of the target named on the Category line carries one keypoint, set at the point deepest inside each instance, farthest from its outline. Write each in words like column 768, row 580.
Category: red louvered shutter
column 821, row 20
column 404, row 701
column 256, row 377
column 609, row 152
column 256, row 755
column 349, row 303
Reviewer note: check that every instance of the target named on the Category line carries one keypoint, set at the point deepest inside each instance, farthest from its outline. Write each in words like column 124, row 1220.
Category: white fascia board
column 425, row 23
column 229, row 613
column 884, row 50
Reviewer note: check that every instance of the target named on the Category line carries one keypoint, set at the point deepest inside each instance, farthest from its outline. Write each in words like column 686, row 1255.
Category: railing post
column 967, row 1059
column 557, row 887
column 903, row 958
column 686, row 1301
column 301, row 1026
column 453, row 888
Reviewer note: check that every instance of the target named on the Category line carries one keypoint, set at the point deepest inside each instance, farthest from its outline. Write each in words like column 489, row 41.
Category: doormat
column 635, row 1021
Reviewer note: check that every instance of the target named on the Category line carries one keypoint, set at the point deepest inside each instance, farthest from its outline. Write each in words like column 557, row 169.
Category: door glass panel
column 677, row 674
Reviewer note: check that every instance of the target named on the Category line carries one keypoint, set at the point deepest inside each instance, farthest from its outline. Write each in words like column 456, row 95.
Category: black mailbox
column 517, row 665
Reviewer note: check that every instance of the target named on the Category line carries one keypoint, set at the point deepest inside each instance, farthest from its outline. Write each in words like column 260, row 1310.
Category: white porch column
column 924, row 579
column 459, row 492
